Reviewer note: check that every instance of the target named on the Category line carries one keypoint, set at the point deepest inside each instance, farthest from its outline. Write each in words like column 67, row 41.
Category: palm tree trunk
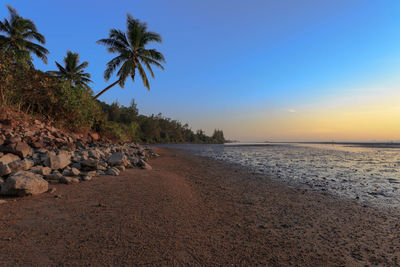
column 105, row 89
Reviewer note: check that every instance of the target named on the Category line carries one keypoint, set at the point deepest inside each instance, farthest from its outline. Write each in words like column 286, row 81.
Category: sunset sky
column 284, row 70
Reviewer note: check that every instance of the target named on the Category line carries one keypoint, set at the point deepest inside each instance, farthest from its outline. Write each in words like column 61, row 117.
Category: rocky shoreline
column 35, row 154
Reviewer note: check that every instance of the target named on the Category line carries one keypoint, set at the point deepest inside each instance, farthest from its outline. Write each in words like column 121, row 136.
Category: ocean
column 368, row 174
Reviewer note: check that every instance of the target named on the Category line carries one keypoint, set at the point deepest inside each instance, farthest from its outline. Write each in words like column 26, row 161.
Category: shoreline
column 195, row 211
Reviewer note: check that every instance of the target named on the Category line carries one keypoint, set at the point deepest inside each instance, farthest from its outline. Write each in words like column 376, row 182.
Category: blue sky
column 258, row 69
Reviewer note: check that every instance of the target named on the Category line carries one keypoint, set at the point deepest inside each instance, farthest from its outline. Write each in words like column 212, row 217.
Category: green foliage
column 154, row 129
column 132, row 53
column 34, row 91
column 73, row 72
column 18, row 33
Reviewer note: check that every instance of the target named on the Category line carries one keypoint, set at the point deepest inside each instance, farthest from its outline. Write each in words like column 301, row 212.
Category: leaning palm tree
column 72, row 71
column 132, row 53
column 18, row 35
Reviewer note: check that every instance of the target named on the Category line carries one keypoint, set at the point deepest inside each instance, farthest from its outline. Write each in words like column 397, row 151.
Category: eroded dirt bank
column 193, row 211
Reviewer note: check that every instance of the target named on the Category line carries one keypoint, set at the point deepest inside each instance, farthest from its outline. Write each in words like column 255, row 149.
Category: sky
column 260, row 70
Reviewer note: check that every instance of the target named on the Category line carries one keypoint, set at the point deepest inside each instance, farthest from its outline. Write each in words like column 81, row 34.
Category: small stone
column 144, row 165
column 86, row 178
column 69, row 180
column 56, row 176
column 90, row 163
column 94, row 136
column 75, row 172
column 4, row 169
column 41, row 170
column 120, row 168
column 52, row 190
column 113, row 172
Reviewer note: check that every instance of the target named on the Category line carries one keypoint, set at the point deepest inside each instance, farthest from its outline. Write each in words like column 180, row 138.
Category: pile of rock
column 34, row 155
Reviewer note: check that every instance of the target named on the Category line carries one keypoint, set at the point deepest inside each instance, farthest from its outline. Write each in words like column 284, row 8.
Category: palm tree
column 132, row 53
column 73, row 72
column 18, row 35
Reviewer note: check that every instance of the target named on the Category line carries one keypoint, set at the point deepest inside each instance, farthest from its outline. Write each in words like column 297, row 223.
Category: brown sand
column 195, row 212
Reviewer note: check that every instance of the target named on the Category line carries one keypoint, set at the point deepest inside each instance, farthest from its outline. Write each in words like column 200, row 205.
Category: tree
column 218, row 137
column 18, row 35
column 132, row 53
column 73, row 72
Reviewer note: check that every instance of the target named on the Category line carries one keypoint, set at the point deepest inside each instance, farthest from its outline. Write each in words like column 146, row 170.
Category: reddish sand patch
column 193, row 211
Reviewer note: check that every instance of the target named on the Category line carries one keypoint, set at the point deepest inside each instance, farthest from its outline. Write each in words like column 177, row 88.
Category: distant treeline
column 155, row 129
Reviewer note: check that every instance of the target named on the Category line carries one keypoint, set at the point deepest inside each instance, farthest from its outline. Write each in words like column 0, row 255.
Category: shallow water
column 365, row 173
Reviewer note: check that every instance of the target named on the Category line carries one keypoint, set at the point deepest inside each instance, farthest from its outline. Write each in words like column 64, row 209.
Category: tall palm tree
column 18, row 35
column 73, row 72
column 132, row 53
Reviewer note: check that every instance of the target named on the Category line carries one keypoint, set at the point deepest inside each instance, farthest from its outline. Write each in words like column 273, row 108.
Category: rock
column 69, row 180
column 100, row 172
column 76, row 166
column 41, row 170
column 55, row 176
column 96, row 154
column 24, row 183
column 52, row 190
column 14, row 140
column 144, row 165
column 75, row 171
column 120, row 168
column 86, row 178
column 71, row 172
column 21, row 149
column 113, row 172
column 4, row 169
column 2, row 201
column 29, row 133
column 8, row 158
column 117, row 159
column 60, row 161
column 91, row 173
column 134, row 161
column 39, row 144
column 92, row 163
column 95, row 136
column 21, row 165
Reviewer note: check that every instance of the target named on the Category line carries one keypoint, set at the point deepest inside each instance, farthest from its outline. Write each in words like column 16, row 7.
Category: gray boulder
column 59, row 161
column 117, row 159
column 24, row 183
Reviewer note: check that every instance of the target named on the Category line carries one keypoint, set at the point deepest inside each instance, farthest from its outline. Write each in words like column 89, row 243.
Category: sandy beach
column 193, row 211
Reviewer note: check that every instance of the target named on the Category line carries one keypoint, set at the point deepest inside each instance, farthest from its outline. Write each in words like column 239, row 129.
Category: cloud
column 291, row 110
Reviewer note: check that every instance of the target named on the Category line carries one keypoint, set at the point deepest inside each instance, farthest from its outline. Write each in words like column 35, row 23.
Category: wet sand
column 196, row 212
